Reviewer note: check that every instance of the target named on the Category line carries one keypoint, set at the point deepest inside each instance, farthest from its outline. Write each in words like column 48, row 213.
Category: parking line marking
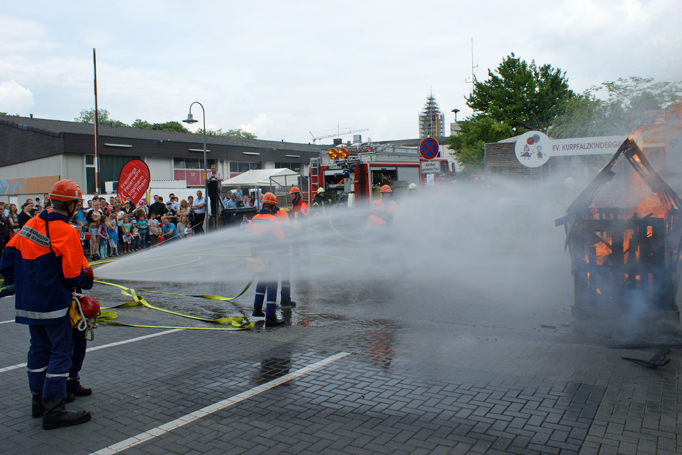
column 96, row 348
column 220, row 405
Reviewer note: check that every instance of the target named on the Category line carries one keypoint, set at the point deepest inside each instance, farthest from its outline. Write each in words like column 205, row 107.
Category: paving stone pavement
column 410, row 385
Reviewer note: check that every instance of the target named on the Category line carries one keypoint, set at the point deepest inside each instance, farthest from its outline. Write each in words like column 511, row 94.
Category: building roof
column 58, row 127
column 443, row 140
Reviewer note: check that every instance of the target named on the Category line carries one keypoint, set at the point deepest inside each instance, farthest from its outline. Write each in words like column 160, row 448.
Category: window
column 237, row 167
column 90, row 174
column 296, row 167
column 191, row 163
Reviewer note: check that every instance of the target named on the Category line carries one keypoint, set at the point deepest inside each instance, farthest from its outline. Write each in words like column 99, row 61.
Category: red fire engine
column 358, row 178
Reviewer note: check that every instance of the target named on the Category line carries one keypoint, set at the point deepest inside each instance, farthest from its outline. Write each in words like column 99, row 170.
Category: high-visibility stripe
column 60, row 375
column 35, row 236
column 39, row 370
column 42, row 316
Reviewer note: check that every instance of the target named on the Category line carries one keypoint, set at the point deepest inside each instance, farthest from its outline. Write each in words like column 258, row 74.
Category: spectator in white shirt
column 224, row 199
column 199, row 208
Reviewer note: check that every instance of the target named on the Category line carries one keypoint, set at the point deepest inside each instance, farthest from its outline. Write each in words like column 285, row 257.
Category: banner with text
column 534, row 148
column 133, row 181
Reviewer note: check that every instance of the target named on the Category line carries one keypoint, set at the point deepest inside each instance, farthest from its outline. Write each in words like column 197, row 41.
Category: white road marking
column 97, row 348
column 6, row 322
column 208, row 410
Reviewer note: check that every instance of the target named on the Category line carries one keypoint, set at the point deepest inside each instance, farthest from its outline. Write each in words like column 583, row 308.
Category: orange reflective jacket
column 44, row 280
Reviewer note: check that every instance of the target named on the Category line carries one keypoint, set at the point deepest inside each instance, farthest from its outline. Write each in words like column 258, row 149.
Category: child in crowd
column 136, row 236
column 154, row 228
column 182, row 227
column 127, row 235
column 112, row 231
column 142, row 228
column 81, row 234
column 93, row 228
column 119, row 220
column 103, row 238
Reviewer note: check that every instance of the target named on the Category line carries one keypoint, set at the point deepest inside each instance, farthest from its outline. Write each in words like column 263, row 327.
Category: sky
column 285, row 69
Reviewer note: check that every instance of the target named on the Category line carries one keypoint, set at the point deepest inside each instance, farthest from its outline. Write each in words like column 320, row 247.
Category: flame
column 649, row 231
column 650, row 204
column 598, row 291
column 603, row 250
column 627, row 235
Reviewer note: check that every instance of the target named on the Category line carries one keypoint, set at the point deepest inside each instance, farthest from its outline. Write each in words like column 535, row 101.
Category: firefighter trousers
column 267, row 284
column 80, row 344
column 49, row 358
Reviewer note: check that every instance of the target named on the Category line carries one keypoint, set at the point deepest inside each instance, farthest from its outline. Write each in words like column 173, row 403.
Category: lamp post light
column 190, row 119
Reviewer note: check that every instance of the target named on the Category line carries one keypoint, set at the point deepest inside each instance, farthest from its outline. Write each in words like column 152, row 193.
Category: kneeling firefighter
column 45, row 262
column 268, row 250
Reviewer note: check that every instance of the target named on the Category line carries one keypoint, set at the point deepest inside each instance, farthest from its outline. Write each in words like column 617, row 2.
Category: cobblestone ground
column 471, row 374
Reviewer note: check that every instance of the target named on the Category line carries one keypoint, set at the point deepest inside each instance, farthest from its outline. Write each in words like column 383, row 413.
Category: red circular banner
column 133, row 181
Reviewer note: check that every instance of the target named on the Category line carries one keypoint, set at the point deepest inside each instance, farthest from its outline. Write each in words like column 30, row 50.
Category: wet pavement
column 439, row 365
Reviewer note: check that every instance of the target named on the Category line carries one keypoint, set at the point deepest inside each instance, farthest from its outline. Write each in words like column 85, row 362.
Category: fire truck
column 357, row 179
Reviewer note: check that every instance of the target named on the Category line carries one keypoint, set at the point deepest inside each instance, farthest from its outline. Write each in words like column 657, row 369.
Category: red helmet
column 386, row 189
column 66, row 191
column 269, row 198
column 294, row 189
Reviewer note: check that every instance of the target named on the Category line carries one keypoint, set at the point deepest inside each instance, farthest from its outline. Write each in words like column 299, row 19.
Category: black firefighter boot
column 56, row 415
column 37, row 409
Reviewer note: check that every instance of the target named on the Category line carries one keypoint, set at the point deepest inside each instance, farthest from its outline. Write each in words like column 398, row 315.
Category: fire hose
column 237, row 323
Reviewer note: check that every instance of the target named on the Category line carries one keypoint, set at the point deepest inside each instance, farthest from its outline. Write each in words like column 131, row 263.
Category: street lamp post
column 190, row 119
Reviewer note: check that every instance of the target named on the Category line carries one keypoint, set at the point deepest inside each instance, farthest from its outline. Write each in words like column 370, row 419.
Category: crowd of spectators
column 112, row 227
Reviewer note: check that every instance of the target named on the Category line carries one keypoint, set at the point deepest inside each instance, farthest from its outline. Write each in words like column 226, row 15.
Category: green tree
column 630, row 104
column 88, row 116
column 167, row 126
column 518, row 97
column 469, row 143
column 229, row 133
column 521, row 95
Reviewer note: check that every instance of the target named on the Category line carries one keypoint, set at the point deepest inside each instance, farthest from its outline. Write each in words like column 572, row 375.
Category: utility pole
column 472, row 81
column 96, row 159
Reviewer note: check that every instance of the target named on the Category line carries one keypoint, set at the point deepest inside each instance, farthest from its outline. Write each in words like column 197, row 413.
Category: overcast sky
column 283, row 69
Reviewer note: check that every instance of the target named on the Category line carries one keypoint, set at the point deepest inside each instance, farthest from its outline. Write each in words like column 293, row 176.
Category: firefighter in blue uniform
column 268, row 247
column 45, row 262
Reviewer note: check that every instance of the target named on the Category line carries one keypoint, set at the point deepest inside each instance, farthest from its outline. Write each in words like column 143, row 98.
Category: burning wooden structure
column 625, row 260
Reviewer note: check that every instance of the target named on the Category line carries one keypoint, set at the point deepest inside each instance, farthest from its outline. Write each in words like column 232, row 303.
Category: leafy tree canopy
column 474, row 132
column 521, row 95
column 230, row 133
column 167, row 126
column 630, row 104
column 88, row 116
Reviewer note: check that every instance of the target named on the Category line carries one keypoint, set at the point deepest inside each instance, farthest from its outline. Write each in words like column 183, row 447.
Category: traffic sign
column 429, row 148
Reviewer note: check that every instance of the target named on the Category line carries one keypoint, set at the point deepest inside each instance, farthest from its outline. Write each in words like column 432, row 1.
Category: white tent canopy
column 264, row 177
